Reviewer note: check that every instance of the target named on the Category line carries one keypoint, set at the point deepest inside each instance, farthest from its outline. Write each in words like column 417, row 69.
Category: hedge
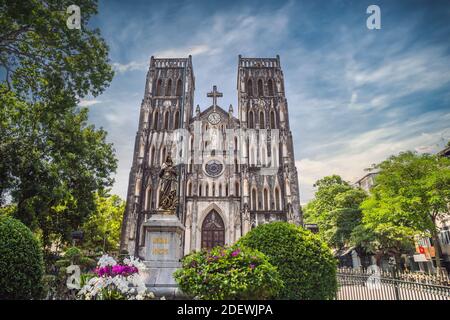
column 305, row 263
column 21, row 261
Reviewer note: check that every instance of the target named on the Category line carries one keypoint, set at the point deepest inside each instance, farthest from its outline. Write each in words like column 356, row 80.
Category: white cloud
column 362, row 151
column 88, row 103
column 131, row 66
column 195, row 50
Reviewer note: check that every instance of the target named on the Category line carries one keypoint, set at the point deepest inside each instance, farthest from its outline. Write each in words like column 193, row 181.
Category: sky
column 355, row 96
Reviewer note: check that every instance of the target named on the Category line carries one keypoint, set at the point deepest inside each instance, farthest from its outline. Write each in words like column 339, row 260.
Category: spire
column 197, row 111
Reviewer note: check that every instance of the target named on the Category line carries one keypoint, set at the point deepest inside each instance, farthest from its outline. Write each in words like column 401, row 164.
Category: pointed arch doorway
column 213, row 231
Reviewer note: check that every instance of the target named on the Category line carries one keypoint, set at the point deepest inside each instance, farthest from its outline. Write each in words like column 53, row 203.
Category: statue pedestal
column 163, row 251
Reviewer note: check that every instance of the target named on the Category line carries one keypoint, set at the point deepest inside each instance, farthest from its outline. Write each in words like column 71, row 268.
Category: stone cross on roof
column 214, row 94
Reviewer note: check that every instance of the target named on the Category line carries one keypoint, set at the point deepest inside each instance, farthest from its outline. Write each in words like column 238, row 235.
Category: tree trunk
column 437, row 249
column 398, row 258
column 436, row 244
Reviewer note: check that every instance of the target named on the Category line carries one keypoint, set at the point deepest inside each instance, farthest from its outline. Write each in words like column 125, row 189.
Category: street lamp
column 76, row 236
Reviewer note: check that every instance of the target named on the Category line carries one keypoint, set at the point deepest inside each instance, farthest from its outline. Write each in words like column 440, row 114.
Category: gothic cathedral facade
column 234, row 173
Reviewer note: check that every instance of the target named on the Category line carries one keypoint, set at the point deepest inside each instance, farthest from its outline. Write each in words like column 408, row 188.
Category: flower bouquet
column 114, row 281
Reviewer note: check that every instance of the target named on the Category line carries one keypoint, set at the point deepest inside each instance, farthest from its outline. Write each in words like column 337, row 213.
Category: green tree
column 335, row 209
column 44, row 60
column 53, row 164
column 411, row 194
column 102, row 229
column 52, row 160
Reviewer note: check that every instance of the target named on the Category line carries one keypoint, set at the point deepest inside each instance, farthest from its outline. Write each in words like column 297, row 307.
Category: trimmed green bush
column 305, row 262
column 21, row 261
column 228, row 273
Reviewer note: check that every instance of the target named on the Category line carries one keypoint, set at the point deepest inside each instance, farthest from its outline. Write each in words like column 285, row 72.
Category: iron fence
column 364, row 285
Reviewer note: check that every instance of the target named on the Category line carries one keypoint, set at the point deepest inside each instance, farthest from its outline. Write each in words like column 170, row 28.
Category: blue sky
column 355, row 95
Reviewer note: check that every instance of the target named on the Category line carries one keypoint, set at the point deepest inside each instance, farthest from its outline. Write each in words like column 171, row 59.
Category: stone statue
column 168, row 199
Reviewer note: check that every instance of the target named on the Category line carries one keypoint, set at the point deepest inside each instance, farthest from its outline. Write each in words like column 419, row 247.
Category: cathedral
column 233, row 173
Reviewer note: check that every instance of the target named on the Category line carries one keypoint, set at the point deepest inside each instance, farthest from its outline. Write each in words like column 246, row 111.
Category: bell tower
column 167, row 106
column 272, row 191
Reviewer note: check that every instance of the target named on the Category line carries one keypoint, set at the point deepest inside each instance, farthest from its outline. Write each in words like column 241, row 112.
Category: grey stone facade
column 234, row 173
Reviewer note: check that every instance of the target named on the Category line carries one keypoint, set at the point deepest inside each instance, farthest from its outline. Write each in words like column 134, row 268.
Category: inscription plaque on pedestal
column 163, row 252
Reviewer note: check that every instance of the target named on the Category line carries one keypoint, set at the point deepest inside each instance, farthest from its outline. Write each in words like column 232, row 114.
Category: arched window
column 199, row 189
column 189, row 191
column 272, row 120
column 166, row 120
column 213, row 231
column 263, row 157
column 266, row 200
column 250, row 88
column 179, row 87
column 207, row 190
column 191, row 166
column 148, row 200
column 236, row 166
column 213, row 189
column 260, row 88
column 260, row 200
column 236, row 189
column 253, row 200
column 220, row 190
column 270, row 87
column 235, row 143
column 261, row 120
column 226, row 190
column 277, row 199
column 176, row 120
column 251, row 124
column 152, row 157
column 163, row 155
column 169, row 88
column 155, row 121
column 159, row 88
column 251, row 159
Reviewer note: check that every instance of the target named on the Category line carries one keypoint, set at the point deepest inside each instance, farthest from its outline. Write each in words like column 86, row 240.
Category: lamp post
column 393, row 265
column 77, row 235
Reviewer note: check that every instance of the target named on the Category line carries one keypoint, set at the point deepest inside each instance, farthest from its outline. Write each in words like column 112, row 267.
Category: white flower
column 106, row 260
column 135, row 262
column 132, row 286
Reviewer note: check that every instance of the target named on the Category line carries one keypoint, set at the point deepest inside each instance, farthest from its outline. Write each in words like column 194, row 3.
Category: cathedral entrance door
column 213, row 231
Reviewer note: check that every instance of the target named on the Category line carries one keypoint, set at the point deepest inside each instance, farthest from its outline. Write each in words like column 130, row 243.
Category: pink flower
column 103, row 271
column 118, row 269
column 235, row 253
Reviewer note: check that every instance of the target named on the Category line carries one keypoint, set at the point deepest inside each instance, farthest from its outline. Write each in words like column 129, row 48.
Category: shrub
column 73, row 256
column 21, row 261
column 305, row 263
column 228, row 273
